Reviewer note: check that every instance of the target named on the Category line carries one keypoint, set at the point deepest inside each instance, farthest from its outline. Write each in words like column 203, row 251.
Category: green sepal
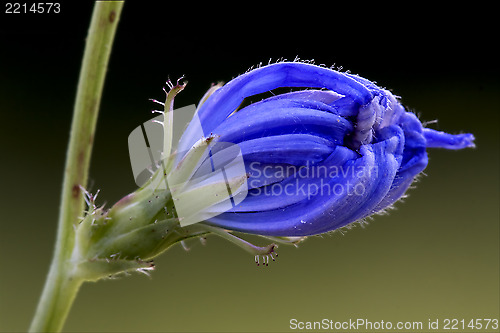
column 168, row 117
column 201, row 199
column 96, row 269
column 187, row 166
column 145, row 242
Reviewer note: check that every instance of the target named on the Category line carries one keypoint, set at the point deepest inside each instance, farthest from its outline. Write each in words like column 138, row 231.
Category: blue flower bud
column 335, row 152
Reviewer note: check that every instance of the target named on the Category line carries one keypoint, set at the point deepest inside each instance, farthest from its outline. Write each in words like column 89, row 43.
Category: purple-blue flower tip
column 436, row 139
column 333, row 152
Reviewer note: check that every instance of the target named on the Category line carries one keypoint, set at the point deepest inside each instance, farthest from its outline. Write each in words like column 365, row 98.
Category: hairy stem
column 61, row 287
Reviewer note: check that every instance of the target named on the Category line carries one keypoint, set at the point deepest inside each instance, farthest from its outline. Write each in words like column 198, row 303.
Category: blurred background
column 435, row 257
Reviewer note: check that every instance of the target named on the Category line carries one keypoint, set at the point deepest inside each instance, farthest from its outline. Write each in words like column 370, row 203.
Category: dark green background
column 435, row 257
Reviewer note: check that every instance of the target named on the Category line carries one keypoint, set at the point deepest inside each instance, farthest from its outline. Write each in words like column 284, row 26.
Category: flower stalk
column 61, row 286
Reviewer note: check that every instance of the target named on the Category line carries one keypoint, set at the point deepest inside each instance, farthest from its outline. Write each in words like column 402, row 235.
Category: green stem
column 61, row 287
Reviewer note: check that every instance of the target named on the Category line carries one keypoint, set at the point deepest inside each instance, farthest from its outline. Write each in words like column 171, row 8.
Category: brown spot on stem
column 75, row 191
column 112, row 16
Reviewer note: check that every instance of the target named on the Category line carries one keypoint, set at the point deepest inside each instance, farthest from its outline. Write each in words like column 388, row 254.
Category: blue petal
column 294, row 149
column 297, row 185
column 327, row 97
column 268, row 119
column 436, row 139
column 414, row 155
column 260, row 174
column 327, row 210
column 227, row 99
column 344, row 122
